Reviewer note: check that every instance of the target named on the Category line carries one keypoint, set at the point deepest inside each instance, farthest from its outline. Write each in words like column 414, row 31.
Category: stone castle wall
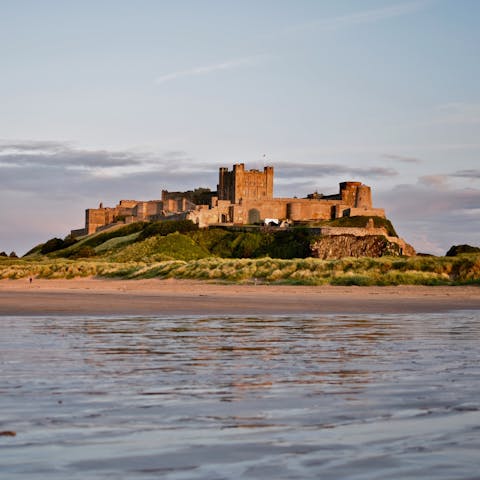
column 243, row 197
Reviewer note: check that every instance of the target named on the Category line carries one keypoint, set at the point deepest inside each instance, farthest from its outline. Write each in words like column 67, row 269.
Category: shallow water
column 330, row 397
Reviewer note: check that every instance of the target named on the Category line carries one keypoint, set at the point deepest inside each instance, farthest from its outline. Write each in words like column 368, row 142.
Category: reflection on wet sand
column 240, row 354
column 234, row 397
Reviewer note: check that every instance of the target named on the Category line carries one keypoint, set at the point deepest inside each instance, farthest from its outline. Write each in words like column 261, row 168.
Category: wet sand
column 184, row 297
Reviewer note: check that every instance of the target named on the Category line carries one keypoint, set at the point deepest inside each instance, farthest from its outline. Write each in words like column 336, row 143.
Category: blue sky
column 102, row 100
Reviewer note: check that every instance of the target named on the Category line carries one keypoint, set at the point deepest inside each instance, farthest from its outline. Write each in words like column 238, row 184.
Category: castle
column 242, row 197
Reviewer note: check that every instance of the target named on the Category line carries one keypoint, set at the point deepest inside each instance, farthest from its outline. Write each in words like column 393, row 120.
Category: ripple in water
column 357, row 397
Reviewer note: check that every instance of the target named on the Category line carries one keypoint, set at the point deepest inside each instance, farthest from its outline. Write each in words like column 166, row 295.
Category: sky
column 112, row 99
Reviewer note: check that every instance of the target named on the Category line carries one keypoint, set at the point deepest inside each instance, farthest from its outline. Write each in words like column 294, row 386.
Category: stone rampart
column 356, row 231
column 362, row 212
column 79, row 232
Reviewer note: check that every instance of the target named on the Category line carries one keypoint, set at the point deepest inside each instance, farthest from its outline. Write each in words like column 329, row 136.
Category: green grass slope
column 175, row 246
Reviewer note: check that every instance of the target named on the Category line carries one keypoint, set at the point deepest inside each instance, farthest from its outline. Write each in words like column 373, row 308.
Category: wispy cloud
column 442, row 181
column 472, row 173
column 358, row 18
column 31, row 146
column 380, row 149
column 438, row 181
column 401, row 158
column 308, row 170
column 61, row 155
column 207, row 69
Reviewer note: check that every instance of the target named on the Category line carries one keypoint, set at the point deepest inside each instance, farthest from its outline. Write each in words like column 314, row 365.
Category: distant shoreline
column 186, row 297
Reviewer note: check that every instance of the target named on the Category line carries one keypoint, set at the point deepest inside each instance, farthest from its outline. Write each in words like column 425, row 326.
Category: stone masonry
column 246, row 197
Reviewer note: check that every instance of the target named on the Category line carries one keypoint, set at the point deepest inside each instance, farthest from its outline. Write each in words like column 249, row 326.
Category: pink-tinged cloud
column 438, row 181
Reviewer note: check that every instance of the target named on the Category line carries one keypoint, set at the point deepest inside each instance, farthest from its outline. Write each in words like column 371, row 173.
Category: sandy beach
column 184, row 297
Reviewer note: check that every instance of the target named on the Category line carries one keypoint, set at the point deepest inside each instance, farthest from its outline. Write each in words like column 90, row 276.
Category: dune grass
column 51, row 268
column 460, row 270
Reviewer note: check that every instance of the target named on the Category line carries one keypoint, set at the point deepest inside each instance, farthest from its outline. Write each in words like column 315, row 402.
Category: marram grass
column 460, row 270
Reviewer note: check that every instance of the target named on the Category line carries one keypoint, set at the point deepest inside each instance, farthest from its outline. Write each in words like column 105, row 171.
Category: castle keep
column 242, row 197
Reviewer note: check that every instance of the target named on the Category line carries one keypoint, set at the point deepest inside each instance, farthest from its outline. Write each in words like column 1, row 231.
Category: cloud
column 438, row 181
column 47, row 169
column 207, row 69
column 473, row 173
column 433, row 219
column 401, row 158
column 363, row 17
column 309, row 170
column 61, row 155
column 419, row 200
column 441, row 180
column 31, row 146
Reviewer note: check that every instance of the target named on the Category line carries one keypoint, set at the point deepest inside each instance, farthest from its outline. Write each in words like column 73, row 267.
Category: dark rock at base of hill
column 339, row 246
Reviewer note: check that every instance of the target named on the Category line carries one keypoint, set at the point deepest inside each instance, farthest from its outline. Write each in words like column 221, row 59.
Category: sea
column 241, row 397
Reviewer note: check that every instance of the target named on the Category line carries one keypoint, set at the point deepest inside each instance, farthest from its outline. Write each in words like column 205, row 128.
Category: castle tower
column 348, row 192
column 364, row 197
column 268, row 171
column 224, row 186
column 356, row 195
column 238, row 183
column 245, row 184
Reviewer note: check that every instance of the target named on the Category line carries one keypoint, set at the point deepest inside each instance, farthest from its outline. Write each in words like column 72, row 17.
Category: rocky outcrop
column 459, row 249
column 348, row 245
